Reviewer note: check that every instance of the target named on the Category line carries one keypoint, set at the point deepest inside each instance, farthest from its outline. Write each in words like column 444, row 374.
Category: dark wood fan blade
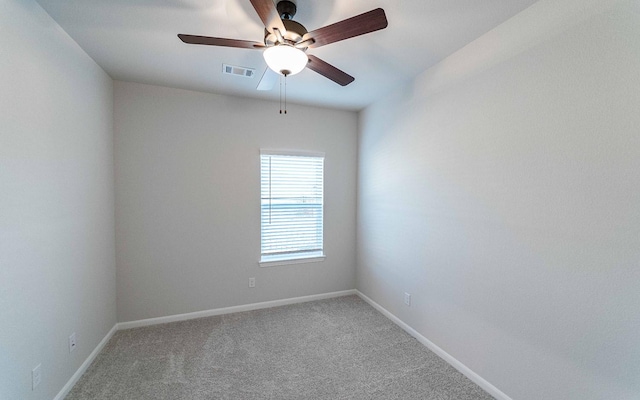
column 329, row 71
column 371, row 21
column 214, row 41
column 269, row 15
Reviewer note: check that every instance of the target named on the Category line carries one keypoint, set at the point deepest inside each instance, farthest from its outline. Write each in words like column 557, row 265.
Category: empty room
column 320, row 199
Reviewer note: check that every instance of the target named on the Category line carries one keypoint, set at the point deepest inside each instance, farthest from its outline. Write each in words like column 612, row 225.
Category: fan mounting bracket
column 286, row 9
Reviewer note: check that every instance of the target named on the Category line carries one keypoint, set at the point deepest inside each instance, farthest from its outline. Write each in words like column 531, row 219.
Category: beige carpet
column 331, row 349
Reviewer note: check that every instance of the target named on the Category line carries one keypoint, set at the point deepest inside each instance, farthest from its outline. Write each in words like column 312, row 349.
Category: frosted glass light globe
column 285, row 59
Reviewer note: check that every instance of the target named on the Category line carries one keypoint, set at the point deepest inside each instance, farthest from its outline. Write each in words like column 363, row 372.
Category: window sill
column 291, row 261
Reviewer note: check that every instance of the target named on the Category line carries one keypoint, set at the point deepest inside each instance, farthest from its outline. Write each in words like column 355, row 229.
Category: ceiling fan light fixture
column 285, row 59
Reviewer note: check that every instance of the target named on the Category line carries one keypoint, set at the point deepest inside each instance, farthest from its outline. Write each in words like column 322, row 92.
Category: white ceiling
column 135, row 40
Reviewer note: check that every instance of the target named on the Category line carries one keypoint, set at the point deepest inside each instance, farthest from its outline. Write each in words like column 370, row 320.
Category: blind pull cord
column 270, row 198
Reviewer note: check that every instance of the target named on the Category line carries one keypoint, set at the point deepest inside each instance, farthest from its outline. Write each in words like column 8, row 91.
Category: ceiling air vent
column 238, row 71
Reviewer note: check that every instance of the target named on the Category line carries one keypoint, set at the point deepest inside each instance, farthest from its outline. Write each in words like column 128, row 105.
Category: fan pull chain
column 285, row 94
column 285, row 73
column 280, row 94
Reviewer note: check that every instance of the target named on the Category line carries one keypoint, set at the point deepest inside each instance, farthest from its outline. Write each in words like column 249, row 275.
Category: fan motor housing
column 295, row 32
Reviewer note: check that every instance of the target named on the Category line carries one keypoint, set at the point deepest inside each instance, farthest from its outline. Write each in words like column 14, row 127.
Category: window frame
column 294, row 258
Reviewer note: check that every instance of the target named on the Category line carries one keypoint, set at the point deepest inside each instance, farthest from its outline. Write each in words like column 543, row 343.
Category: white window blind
column 291, row 206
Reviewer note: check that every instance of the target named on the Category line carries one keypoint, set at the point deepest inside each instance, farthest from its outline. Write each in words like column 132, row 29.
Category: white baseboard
column 477, row 379
column 229, row 310
column 83, row 368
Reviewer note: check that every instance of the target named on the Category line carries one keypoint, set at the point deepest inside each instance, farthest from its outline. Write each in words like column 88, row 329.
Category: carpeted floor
column 339, row 348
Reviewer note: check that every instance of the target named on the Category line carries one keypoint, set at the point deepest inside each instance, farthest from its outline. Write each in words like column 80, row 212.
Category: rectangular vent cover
column 238, row 71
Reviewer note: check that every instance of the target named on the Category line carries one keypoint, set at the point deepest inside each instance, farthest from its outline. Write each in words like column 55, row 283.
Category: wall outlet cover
column 407, row 299
column 252, row 282
column 72, row 342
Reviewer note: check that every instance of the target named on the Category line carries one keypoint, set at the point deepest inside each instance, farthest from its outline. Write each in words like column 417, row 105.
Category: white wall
column 187, row 199
column 57, row 261
column 502, row 190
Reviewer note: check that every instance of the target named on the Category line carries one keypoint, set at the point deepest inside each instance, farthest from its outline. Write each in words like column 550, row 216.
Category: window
column 291, row 209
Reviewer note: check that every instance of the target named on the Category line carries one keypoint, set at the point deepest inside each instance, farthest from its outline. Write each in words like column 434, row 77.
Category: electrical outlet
column 36, row 376
column 252, row 282
column 407, row 299
column 72, row 342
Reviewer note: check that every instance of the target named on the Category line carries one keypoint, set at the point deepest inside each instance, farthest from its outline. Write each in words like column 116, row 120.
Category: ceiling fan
column 286, row 41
